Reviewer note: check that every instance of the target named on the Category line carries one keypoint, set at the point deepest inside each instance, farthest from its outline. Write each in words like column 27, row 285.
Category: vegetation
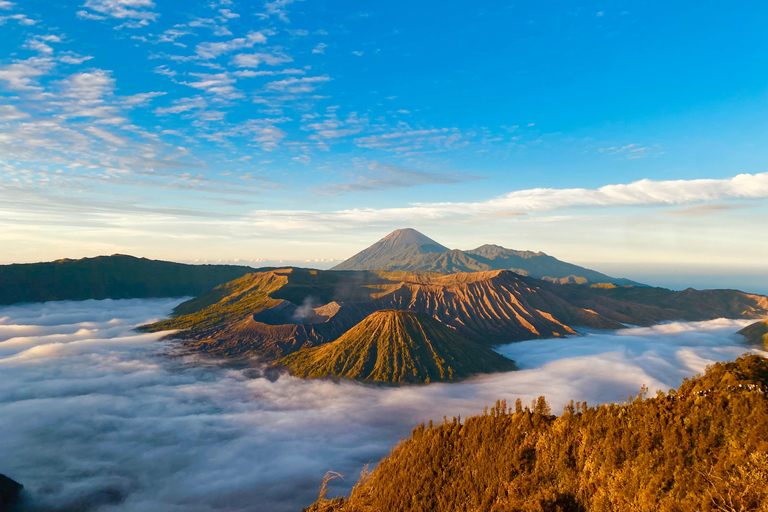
column 394, row 346
column 757, row 333
column 703, row 447
column 109, row 277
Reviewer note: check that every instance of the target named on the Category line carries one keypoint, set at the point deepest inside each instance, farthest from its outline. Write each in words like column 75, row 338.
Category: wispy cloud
column 375, row 176
column 140, row 11
column 254, row 60
column 212, row 50
column 278, row 8
column 640, row 193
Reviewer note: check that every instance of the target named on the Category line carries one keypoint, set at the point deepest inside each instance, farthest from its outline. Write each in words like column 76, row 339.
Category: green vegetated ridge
column 703, row 447
column 110, row 277
column 757, row 333
column 395, row 346
column 407, row 249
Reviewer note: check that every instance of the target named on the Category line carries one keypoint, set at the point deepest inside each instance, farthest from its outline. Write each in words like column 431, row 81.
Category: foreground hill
column 757, row 333
column 407, row 249
column 703, row 447
column 110, row 277
column 273, row 313
column 398, row 346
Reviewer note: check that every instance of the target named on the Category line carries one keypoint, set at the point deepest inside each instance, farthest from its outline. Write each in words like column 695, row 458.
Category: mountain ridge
column 110, row 277
column 407, row 249
column 271, row 314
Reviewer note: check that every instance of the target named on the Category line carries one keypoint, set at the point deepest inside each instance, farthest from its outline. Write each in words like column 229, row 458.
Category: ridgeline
column 110, row 277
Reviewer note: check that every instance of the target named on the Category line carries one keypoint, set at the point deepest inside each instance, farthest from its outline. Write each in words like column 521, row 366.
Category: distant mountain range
column 275, row 313
column 407, row 249
column 110, row 277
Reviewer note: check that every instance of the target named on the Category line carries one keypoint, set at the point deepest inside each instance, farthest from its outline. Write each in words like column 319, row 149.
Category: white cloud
column 320, row 48
column 141, row 99
column 227, row 14
column 139, row 10
column 212, row 50
column 183, row 105
column 22, row 19
column 20, row 74
column 5, row 4
column 79, row 388
column 297, row 85
column 219, row 84
column 278, row 8
column 640, row 193
column 106, row 135
column 253, row 60
column 88, row 87
column 11, row 113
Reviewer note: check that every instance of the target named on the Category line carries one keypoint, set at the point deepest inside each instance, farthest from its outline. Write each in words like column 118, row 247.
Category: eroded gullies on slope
column 396, row 346
column 275, row 313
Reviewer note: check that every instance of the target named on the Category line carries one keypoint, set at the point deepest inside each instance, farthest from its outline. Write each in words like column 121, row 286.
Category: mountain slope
column 397, row 346
column 400, row 244
column 757, row 333
column 407, row 249
column 703, row 447
column 110, row 277
column 273, row 313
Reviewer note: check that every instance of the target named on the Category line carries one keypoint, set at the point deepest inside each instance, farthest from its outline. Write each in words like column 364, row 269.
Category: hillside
column 273, row 313
column 757, row 333
column 110, row 277
column 409, row 250
column 703, row 447
column 395, row 346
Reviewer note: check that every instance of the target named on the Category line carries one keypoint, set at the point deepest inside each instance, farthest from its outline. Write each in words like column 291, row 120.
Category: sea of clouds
column 95, row 416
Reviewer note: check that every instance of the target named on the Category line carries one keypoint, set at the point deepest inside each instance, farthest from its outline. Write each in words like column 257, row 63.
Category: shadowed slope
column 407, row 249
column 398, row 346
column 109, row 277
column 757, row 333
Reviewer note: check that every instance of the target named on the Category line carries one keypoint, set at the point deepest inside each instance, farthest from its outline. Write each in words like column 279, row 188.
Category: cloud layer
column 93, row 413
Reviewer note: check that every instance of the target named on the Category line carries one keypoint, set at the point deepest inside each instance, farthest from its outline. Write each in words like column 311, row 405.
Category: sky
column 97, row 417
column 629, row 136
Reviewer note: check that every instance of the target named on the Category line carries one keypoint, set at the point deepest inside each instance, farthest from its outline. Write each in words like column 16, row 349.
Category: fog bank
column 93, row 414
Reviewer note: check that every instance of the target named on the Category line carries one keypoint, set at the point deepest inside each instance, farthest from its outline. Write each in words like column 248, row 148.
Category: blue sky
column 305, row 130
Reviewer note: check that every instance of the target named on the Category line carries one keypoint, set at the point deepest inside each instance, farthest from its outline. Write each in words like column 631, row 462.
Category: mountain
column 407, row 249
column 701, row 447
column 757, row 333
column 110, row 277
column 397, row 346
column 395, row 247
column 273, row 313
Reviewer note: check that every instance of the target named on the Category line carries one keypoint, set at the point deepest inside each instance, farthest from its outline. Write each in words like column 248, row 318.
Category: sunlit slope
column 398, row 346
column 273, row 313
column 757, row 333
column 701, row 448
